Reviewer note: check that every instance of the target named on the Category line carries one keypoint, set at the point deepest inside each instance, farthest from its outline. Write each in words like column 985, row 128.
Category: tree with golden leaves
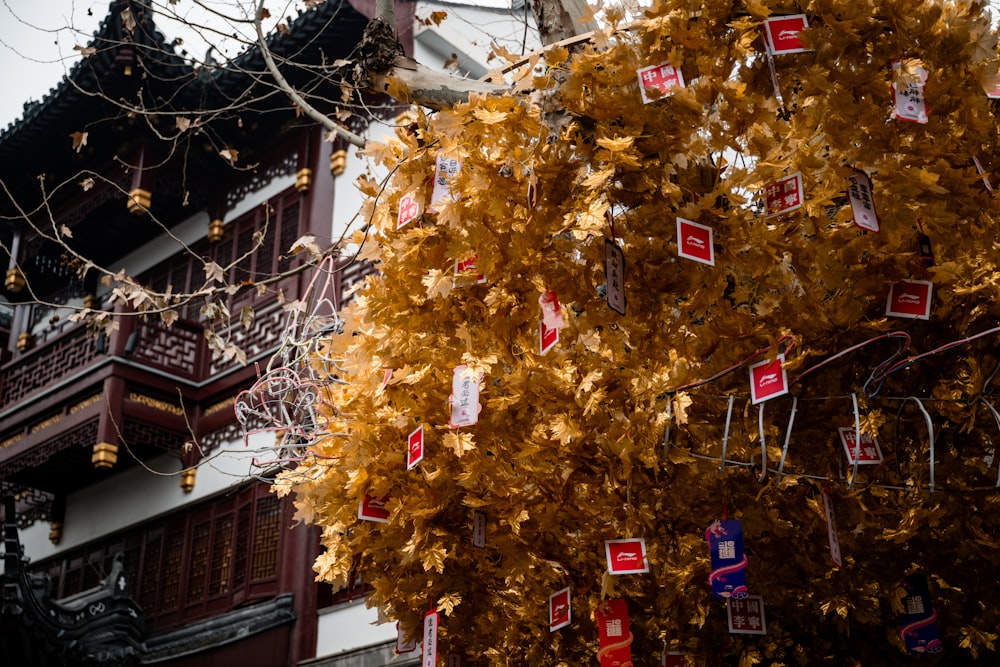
column 641, row 425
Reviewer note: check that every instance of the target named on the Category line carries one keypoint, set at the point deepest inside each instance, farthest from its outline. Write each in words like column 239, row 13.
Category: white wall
column 350, row 626
column 137, row 495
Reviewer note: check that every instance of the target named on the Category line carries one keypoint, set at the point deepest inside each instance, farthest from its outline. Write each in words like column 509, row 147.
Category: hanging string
column 788, row 436
column 996, row 418
column 857, row 441
column 790, row 340
column 763, row 445
column 725, row 433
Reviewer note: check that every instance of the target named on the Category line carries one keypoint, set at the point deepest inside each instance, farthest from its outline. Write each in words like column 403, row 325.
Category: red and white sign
column 694, row 241
column 768, row 379
column 784, row 34
column 831, row 531
column 663, row 77
column 409, row 210
column 991, row 85
column 402, row 645
column 746, row 616
column 445, row 169
column 910, row 298
column 465, row 405
column 626, row 556
column 784, row 195
column 430, row 647
column 466, row 266
column 560, row 612
column 910, row 103
column 552, row 321
column 614, row 638
column 867, row 453
column 373, row 509
column 674, row 659
column 479, row 529
column 415, row 447
column 859, row 192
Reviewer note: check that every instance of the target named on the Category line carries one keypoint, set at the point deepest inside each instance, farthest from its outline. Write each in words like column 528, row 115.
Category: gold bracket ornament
column 14, row 281
column 216, row 229
column 139, row 201
column 303, row 180
column 338, row 162
column 105, row 455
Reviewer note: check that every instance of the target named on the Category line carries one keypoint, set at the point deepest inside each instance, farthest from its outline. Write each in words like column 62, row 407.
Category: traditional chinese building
column 137, row 529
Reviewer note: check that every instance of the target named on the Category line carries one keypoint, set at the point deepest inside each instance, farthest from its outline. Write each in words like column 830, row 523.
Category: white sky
column 37, row 39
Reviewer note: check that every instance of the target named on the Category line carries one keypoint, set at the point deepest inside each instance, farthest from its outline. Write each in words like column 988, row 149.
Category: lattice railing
column 177, row 349
column 46, row 365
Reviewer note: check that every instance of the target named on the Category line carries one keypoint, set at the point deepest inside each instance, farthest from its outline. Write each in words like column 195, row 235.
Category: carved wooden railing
column 46, row 365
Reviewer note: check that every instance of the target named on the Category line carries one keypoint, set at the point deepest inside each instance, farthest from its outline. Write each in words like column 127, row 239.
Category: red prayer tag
column 373, row 509
column 662, row 77
column 768, row 379
column 626, row 556
column 408, row 210
column 910, row 298
column 784, row 34
column 746, row 616
column 415, row 447
column 614, row 635
column 784, row 195
column 867, row 452
column 694, row 241
column 560, row 612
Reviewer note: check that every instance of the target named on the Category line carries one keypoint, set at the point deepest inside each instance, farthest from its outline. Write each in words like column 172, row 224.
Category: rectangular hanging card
column 386, row 377
column 919, row 620
column 859, row 191
column 430, row 647
column 560, row 614
column 479, row 529
column 910, row 298
column 910, row 103
column 784, row 195
column 468, row 267
column 674, row 659
column 614, row 638
column 991, row 86
column 464, row 397
column 865, row 452
column 552, row 321
column 454, row 660
column 614, row 274
column 768, row 379
column 663, row 78
column 446, row 168
column 694, row 241
column 409, row 209
column 831, row 531
column 547, row 338
column 982, row 173
column 784, row 34
column 373, row 509
column 746, row 617
column 415, row 447
column 729, row 562
column 626, row 556
column 402, row 645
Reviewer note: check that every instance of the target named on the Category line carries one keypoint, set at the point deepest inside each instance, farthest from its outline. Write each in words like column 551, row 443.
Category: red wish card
column 784, row 34
column 662, row 77
column 614, row 638
column 910, row 298
column 865, row 452
column 409, row 209
column 415, row 447
column 626, row 556
column 768, row 379
column 784, row 195
column 373, row 509
column 746, row 616
column 694, row 241
column 560, row 613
